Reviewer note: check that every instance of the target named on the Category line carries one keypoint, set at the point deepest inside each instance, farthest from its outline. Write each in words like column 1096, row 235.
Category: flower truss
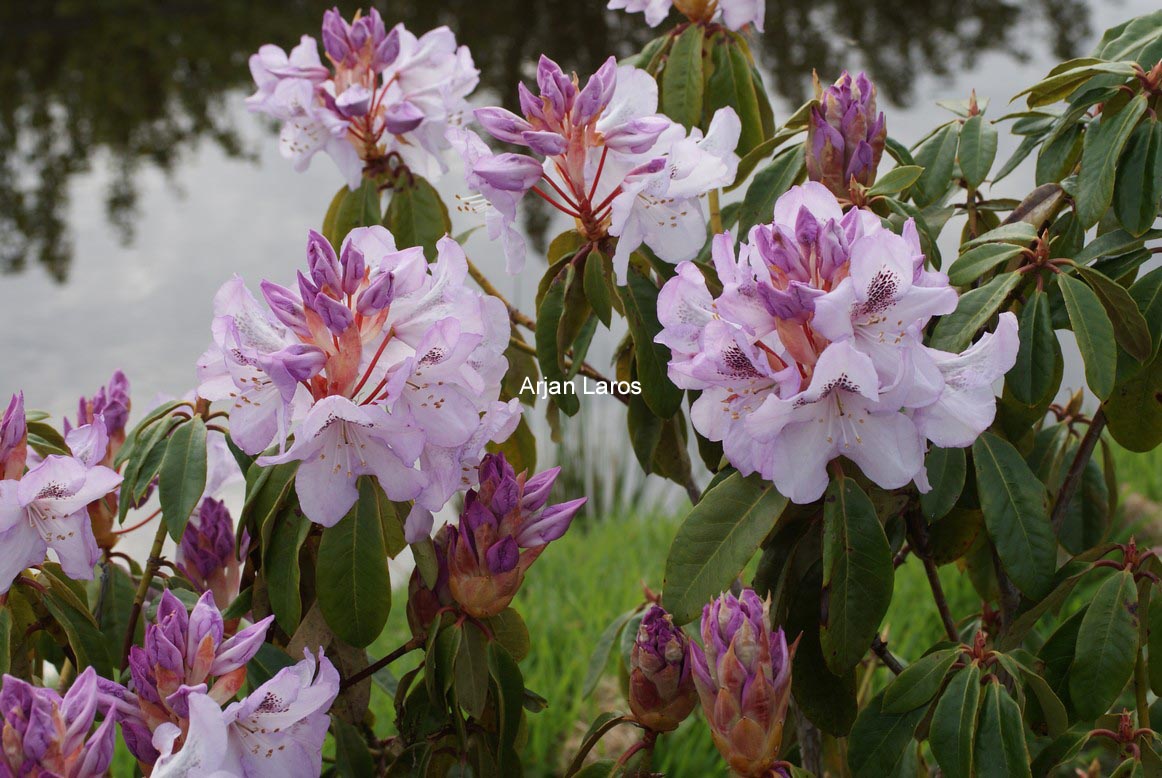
column 735, row 14
column 605, row 156
column 814, row 349
column 382, row 93
column 378, row 364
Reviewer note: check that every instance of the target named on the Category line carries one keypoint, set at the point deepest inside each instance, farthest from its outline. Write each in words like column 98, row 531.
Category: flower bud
column 661, row 685
column 498, row 538
column 845, row 136
column 743, row 677
column 13, row 439
column 207, row 555
column 323, row 263
column 425, row 602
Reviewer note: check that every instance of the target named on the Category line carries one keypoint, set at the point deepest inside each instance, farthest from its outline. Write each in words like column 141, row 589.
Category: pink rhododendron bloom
column 44, row 734
column 735, row 14
column 814, row 349
column 278, row 729
column 110, row 405
column 604, row 155
column 378, row 364
column 381, row 93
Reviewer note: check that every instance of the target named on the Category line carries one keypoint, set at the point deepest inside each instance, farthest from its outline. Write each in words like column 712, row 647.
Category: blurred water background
column 133, row 182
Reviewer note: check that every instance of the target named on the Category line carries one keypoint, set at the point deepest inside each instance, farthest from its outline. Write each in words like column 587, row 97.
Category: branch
column 513, row 312
column 880, row 648
column 918, row 529
column 375, row 667
column 150, row 571
column 1076, row 469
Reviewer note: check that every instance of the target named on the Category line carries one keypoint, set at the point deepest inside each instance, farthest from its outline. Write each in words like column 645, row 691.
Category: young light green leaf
column 715, row 542
column 857, row 575
column 1013, row 502
column 895, row 180
column 182, row 478
column 1094, row 333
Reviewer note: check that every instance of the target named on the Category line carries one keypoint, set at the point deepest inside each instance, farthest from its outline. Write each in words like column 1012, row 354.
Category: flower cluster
column 505, row 525
column 743, row 676
column 207, row 555
column 661, row 682
column 47, row 506
column 845, row 137
column 378, row 364
column 603, row 155
column 735, row 14
column 188, row 669
column 42, row 733
column 110, row 405
column 384, row 93
column 814, row 349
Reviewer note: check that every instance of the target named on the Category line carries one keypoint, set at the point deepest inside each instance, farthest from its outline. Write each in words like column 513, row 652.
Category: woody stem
column 147, row 575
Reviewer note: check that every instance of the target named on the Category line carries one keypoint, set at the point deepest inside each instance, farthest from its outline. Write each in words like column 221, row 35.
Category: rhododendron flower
column 207, row 555
column 504, row 527
column 743, row 675
column 845, row 137
column 278, row 729
column 735, row 14
column 110, row 406
column 814, row 349
column 13, row 439
column 382, row 93
column 606, row 157
column 184, row 654
column 43, row 734
column 47, row 509
column 379, row 364
column 661, row 682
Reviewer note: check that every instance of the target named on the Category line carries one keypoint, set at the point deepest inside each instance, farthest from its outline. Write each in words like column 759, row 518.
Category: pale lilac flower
column 846, row 136
column 378, row 364
column 604, row 155
column 13, row 439
column 814, row 349
column 743, row 675
column 47, row 509
column 505, row 525
column 44, row 734
column 111, row 406
column 734, row 14
column 384, row 93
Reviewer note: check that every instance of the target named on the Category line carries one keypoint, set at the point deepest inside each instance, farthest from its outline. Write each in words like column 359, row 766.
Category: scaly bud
column 661, row 684
column 845, row 136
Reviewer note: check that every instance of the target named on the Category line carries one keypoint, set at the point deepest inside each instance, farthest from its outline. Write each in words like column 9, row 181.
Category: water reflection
column 135, row 84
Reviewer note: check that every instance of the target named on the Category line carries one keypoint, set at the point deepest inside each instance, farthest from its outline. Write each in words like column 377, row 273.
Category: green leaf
column 857, row 575
column 551, row 360
column 880, row 739
column 352, row 757
column 352, row 583
column 895, row 180
column 920, row 681
column 715, row 542
column 956, row 331
column 597, row 286
column 86, row 641
column 1056, row 717
column 471, row 670
column 1154, row 645
column 682, row 81
column 1138, row 185
column 1107, row 645
column 758, row 205
column 1013, row 502
column 756, row 155
column 827, row 700
column 953, row 726
column 1064, row 79
column 355, row 208
column 1017, row 233
column 182, row 478
column 946, row 471
column 1000, row 737
column 416, row 215
column 509, row 630
column 975, row 262
column 1035, row 377
column 1094, row 334
column 266, row 664
column 1103, row 146
column 937, row 155
column 282, row 571
column 510, row 690
column 978, row 149
column 1134, row 409
column 730, row 85
column 640, row 297
column 601, row 651
column 1130, row 327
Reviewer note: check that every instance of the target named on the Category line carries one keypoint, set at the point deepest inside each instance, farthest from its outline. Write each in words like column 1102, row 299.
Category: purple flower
column 13, row 439
column 814, row 349
column 278, row 729
column 743, row 675
column 661, row 685
column 385, row 92
column 845, row 137
column 45, row 734
column 504, row 527
column 603, row 155
column 183, row 654
column 380, row 364
column 47, row 508
column 207, row 554
column 735, row 14
column 111, row 403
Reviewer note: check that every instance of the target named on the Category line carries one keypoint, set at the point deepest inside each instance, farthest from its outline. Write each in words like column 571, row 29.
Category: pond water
column 133, row 182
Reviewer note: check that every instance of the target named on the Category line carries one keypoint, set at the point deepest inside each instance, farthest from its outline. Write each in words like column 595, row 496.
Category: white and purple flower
column 734, row 14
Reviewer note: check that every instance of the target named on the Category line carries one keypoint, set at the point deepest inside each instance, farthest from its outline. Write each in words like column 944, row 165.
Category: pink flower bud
column 661, row 684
